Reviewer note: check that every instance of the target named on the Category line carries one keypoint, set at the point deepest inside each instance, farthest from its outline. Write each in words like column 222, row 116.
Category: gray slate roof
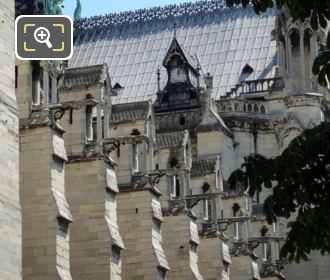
column 134, row 45
column 203, row 167
column 130, row 112
column 170, row 139
column 258, row 211
column 84, row 76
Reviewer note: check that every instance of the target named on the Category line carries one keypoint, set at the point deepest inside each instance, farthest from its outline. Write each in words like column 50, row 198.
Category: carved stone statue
column 77, row 11
column 58, row 7
column 53, row 7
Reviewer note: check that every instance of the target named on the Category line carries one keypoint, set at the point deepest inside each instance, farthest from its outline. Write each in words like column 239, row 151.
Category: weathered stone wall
column 209, row 256
column 241, row 268
column 316, row 268
column 10, row 212
column 139, row 219
column 45, row 211
column 75, row 123
column 181, row 247
column 204, row 139
column 95, row 230
column 24, row 88
column 125, row 129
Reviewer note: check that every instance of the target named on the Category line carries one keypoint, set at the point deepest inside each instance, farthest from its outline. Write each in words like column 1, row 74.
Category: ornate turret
column 298, row 45
column 182, row 87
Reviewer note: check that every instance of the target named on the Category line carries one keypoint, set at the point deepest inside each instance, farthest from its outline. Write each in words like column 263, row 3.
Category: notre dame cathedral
column 115, row 163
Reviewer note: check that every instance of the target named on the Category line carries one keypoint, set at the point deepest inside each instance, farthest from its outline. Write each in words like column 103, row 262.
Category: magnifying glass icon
column 42, row 35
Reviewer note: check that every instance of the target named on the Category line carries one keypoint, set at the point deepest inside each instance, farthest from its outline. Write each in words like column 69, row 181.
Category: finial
column 198, row 76
column 158, row 79
column 174, row 29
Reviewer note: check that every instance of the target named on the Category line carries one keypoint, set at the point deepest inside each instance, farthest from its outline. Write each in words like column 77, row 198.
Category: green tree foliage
column 319, row 13
column 300, row 183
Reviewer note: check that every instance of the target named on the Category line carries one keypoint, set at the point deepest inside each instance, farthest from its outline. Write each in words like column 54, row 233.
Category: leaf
column 320, row 61
column 322, row 20
column 295, row 187
column 314, row 22
column 321, row 78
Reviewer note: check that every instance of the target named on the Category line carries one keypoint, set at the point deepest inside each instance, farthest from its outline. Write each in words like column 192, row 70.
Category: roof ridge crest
column 149, row 14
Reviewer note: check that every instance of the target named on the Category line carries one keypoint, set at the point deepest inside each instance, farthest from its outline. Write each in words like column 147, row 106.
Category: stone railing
column 256, row 86
column 242, row 105
column 144, row 15
column 258, row 210
column 273, row 270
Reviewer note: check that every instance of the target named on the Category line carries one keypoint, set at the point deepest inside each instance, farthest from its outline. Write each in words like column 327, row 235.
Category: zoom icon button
column 43, row 37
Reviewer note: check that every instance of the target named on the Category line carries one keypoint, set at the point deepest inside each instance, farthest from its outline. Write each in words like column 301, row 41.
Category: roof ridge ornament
column 174, row 29
column 151, row 14
column 158, row 80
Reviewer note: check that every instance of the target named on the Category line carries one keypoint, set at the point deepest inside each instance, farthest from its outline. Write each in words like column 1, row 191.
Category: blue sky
column 100, row 7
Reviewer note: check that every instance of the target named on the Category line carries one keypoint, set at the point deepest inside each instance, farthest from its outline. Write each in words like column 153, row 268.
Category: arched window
column 262, row 109
column 207, row 209
column 206, row 187
column 249, row 108
column 175, row 187
column 37, row 84
column 207, row 203
column 89, row 123
column 236, row 207
column 307, row 53
column 173, row 162
column 295, row 53
column 266, row 256
column 282, row 52
column 237, row 225
column 135, row 153
column 256, row 108
column 182, row 120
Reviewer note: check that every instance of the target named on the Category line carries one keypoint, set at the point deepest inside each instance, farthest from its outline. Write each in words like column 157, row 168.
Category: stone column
column 54, row 84
column 106, row 122
column 288, row 58
column 46, row 84
column 302, row 60
column 99, row 125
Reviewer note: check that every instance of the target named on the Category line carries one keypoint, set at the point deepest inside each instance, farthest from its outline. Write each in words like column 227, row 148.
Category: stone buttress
column 96, row 243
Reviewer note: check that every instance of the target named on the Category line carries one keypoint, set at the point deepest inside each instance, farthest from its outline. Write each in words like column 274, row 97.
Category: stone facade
column 10, row 211
column 46, row 250
column 181, row 244
column 140, row 221
column 126, row 178
column 91, row 180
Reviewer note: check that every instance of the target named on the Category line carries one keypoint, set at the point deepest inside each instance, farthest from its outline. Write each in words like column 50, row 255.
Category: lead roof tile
column 130, row 112
column 170, row 140
column 134, row 44
column 203, row 167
